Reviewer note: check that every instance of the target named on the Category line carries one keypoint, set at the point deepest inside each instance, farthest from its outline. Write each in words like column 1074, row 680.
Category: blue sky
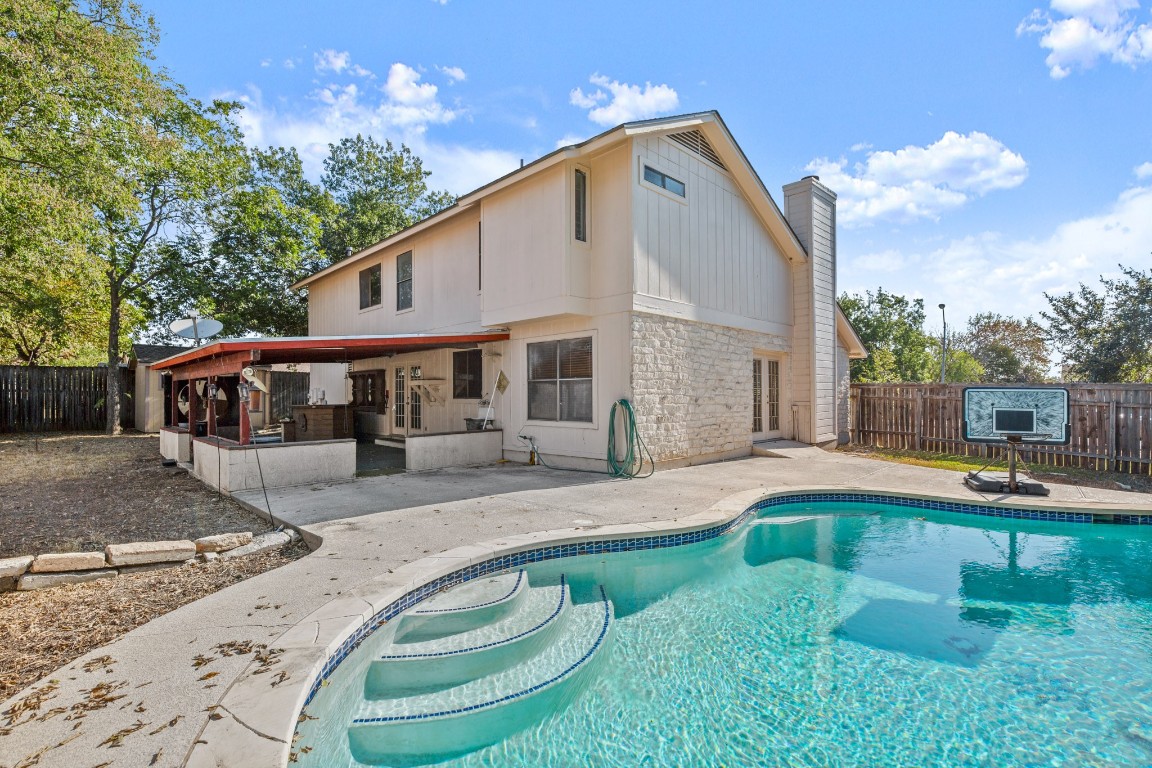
column 984, row 152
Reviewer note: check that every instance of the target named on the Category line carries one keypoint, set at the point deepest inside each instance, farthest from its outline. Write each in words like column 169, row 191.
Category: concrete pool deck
column 173, row 713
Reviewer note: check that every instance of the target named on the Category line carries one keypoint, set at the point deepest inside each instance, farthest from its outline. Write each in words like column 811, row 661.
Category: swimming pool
column 838, row 633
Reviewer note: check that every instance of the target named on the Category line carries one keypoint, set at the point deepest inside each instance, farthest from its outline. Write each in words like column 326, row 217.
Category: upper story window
column 581, row 205
column 370, row 287
column 404, row 281
column 664, row 181
column 560, row 380
column 467, row 376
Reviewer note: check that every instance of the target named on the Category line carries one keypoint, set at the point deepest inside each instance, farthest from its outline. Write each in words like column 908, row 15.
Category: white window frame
column 396, row 283
column 656, row 166
column 595, row 423
column 379, row 304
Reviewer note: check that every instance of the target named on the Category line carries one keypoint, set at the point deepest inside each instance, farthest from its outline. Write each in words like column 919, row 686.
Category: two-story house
column 648, row 263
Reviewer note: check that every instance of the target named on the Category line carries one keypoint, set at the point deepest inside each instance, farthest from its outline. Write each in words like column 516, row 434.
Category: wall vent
column 696, row 142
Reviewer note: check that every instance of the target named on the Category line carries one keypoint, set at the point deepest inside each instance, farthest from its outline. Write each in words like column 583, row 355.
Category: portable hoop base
column 1005, row 484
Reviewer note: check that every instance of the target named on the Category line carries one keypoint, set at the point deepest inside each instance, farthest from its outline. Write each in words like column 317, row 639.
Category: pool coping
column 258, row 714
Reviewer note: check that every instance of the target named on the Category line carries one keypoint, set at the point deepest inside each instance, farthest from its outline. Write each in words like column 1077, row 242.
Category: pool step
column 406, row 668
column 475, row 714
column 463, row 608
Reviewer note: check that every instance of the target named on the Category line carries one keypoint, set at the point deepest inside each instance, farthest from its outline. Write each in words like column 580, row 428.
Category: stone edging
column 52, row 569
column 258, row 720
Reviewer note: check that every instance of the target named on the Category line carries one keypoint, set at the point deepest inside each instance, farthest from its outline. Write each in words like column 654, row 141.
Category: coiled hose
column 632, row 463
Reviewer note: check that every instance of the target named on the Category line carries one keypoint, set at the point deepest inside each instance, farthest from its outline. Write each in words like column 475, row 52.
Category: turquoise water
column 864, row 636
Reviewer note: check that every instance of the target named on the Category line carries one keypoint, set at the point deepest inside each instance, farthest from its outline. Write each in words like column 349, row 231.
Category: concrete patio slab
column 373, row 530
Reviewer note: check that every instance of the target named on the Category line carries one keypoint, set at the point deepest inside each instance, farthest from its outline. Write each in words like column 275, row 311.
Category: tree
column 187, row 156
column 74, row 80
column 264, row 237
column 892, row 329
column 378, row 190
column 51, row 308
column 1009, row 349
column 1105, row 336
column 962, row 368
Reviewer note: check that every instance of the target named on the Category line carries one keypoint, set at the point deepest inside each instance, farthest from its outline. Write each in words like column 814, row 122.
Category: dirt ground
column 79, row 492
column 76, row 493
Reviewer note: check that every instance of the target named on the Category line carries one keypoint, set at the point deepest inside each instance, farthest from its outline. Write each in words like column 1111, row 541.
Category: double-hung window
column 370, row 287
column 404, row 281
column 560, row 380
column 467, row 379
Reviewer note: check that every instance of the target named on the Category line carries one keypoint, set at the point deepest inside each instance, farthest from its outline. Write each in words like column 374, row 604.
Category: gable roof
column 709, row 123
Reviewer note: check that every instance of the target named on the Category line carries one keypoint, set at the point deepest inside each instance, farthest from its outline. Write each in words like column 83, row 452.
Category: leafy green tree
column 892, row 329
column 265, row 236
column 1009, row 349
column 1105, row 336
column 187, row 157
column 962, row 367
column 379, row 191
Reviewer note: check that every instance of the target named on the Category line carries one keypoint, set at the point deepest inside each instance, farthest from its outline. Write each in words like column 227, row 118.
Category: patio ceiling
column 229, row 356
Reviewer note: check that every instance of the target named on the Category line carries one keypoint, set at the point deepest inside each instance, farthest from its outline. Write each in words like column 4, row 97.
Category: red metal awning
column 231, row 355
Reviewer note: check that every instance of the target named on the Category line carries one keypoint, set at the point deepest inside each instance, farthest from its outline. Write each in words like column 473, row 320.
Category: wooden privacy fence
column 1111, row 424
column 50, row 399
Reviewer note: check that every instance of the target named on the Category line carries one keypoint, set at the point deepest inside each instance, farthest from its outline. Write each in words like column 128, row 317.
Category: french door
column 765, row 398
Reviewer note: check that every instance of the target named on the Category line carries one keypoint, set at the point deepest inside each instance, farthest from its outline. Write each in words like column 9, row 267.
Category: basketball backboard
column 1038, row 415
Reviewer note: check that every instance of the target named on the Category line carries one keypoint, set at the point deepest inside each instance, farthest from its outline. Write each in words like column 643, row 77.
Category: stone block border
column 52, row 569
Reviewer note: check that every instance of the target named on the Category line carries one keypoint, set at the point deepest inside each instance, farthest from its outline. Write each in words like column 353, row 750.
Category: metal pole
column 943, row 346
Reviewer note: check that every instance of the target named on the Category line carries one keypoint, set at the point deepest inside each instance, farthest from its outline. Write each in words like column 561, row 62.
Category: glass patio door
column 765, row 398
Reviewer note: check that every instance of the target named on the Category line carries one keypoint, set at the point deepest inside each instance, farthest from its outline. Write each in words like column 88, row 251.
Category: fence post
column 1112, row 435
column 917, row 419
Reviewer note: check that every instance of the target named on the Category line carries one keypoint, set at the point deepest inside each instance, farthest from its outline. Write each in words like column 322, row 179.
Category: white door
column 765, row 398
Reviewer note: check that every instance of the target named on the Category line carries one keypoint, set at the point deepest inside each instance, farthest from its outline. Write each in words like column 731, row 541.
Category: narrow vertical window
column 404, row 281
column 415, row 409
column 773, row 395
column 479, row 256
column 757, row 398
column 370, row 287
column 581, row 195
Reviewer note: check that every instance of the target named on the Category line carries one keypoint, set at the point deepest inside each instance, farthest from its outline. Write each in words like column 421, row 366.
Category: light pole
column 943, row 345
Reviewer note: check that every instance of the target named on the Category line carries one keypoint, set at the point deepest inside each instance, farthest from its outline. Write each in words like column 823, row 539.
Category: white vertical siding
column 811, row 211
column 708, row 249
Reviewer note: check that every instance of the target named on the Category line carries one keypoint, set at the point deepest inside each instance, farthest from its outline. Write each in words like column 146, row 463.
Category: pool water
column 847, row 635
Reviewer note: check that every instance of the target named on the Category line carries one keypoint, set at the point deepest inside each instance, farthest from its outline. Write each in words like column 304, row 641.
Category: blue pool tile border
column 435, row 611
column 660, row 541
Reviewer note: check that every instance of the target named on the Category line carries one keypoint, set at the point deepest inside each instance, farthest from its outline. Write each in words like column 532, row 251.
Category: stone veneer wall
column 692, row 386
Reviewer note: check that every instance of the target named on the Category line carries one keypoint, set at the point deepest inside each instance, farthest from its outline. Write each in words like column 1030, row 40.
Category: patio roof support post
column 210, row 427
column 245, row 419
column 174, row 398
column 193, row 407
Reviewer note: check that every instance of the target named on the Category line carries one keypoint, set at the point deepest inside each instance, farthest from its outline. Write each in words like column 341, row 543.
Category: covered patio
column 219, row 425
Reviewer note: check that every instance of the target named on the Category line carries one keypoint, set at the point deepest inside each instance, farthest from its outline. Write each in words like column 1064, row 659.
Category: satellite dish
column 196, row 328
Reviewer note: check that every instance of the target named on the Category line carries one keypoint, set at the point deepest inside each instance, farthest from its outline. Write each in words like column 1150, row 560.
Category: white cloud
column 1078, row 33
column 400, row 110
column 920, row 182
column 1143, row 171
column 627, row 102
column 265, row 62
column 289, row 64
column 990, row 272
column 329, row 60
column 454, row 74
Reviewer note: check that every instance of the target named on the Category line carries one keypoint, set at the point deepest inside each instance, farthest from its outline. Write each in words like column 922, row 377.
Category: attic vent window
column 664, row 181
column 696, row 142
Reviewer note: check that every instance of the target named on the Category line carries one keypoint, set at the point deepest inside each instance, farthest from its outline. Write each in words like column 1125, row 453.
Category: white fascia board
column 852, row 341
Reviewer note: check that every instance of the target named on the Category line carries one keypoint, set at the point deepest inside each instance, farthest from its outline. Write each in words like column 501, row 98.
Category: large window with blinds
column 560, row 380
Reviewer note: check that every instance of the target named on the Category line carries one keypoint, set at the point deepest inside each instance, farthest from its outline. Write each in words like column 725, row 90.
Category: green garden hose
column 632, row 464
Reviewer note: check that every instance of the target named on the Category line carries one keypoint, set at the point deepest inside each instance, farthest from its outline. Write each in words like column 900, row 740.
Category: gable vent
column 696, row 142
